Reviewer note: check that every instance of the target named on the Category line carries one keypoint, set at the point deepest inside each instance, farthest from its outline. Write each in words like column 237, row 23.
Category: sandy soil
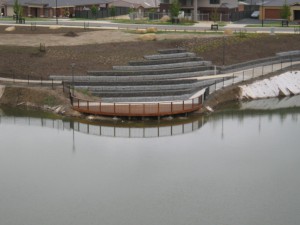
column 56, row 37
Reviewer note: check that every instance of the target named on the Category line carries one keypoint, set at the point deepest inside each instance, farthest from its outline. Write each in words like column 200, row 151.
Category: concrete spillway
column 283, row 85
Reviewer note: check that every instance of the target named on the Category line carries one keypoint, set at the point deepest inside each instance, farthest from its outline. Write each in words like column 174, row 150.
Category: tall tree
column 175, row 8
column 18, row 9
column 285, row 12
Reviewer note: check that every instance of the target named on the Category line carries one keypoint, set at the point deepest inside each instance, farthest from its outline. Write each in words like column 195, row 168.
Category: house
column 271, row 9
column 203, row 7
column 67, row 8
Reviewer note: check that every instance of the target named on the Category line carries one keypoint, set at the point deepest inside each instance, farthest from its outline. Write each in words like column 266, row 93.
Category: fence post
column 243, row 75
column 114, row 107
column 52, row 83
column 252, row 72
column 157, row 108
column 27, row 79
column 215, row 85
column 281, row 64
column 41, row 81
column 262, row 72
column 232, row 78
column 100, row 106
column 171, row 107
column 272, row 67
column 223, row 81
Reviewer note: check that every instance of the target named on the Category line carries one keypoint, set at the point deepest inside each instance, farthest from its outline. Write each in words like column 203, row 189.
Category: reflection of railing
column 136, row 109
column 106, row 130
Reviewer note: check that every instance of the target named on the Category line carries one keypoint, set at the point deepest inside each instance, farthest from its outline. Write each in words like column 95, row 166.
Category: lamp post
column 223, row 51
column 56, row 12
column 73, row 65
column 262, row 13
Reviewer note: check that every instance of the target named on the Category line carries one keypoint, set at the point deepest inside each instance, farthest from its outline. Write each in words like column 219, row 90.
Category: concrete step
column 123, row 94
column 164, row 61
column 172, row 51
column 142, row 88
column 147, row 99
column 149, row 72
column 133, row 78
column 170, row 56
column 162, row 66
column 135, row 83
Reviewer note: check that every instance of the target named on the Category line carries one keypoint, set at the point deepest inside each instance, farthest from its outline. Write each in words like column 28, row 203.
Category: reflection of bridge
column 109, row 130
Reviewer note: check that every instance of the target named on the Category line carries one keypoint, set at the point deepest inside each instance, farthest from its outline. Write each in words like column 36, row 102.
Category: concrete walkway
column 2, row 89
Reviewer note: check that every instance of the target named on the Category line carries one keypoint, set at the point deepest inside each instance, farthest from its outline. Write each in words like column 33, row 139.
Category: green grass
column 26, row 19
column 50, row 101
column 154, row 22
column 180, row 32
column 271, row 25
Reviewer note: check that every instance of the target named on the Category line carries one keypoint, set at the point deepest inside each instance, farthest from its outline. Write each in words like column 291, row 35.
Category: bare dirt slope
column 21, row 57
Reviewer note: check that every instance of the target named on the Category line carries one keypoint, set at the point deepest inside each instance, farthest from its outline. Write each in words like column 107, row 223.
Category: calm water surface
column 230, row 168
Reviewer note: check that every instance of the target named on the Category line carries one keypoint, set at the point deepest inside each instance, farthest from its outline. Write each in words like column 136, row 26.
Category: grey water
column 234, row 167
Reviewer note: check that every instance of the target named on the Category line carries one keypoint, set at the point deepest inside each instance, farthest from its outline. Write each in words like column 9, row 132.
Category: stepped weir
column 163, row 84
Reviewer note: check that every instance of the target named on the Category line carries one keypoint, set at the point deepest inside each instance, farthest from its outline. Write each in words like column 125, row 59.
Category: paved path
column 2, row 88
column 205, row 26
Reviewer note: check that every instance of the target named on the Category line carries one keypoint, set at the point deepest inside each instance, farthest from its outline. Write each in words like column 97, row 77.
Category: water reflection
column 108, row 130
column 239, row 111
column 224, row 172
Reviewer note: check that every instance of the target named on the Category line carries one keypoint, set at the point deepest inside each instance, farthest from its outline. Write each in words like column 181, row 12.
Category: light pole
column 262, row 13
column 73, row 65
column 56, row 12
column 223, row 51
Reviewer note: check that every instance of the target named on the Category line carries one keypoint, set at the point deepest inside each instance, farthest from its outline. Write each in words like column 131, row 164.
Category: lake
column 239, row 166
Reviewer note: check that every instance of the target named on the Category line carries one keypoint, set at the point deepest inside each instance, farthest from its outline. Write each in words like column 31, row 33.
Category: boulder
column 228, row 32
column 165, row 19
column 151, row 30
column 141, row 31
column 54, row 27
column 9, row 29
column 148, row 37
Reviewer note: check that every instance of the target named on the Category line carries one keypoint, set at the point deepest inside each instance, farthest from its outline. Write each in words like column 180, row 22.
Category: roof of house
column 278, row 2
column 72, row 3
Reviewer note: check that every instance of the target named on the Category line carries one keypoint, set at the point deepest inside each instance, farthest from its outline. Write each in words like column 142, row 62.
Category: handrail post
column 114, row 107
column 88, row 105
column 183, row 105
column 193, row 103
column 129, row 108
column 157, row 108
column 171, row 107
column 144, row 108
column 100, row 107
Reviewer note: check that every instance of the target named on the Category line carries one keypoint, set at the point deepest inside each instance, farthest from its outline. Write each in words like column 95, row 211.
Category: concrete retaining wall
column 162, row 66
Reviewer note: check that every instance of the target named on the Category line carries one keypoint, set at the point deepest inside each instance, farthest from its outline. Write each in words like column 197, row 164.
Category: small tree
column 18, row 9
column 94, row 11
column 174, row 9
column 285, row 12
column 112, row 11
column 215, row 15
